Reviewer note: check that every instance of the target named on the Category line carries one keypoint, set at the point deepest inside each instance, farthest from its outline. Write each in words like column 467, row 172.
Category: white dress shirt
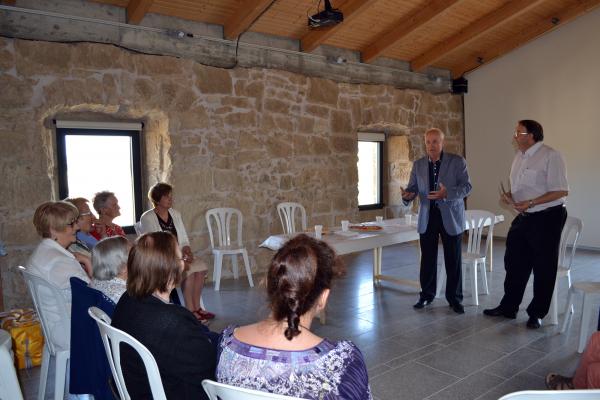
column 537, row 171
column 57, row 265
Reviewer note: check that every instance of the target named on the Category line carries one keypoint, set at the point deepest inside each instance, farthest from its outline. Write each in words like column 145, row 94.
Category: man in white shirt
column 539, row 188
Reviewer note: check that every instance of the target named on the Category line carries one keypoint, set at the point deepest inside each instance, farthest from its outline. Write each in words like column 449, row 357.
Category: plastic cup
column 318, row 231
column 379, row 218
column 408, row 219
column 345, row 225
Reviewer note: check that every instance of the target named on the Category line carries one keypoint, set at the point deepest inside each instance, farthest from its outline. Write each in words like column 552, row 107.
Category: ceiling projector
column 328, row 17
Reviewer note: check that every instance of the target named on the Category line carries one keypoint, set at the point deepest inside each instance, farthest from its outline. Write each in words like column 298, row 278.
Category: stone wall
column 246, row 138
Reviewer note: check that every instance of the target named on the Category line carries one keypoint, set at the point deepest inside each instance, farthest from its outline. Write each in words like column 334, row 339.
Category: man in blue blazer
column 442, row 182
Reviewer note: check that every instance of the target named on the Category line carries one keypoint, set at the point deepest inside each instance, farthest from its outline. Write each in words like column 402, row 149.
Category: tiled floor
column 427, row 354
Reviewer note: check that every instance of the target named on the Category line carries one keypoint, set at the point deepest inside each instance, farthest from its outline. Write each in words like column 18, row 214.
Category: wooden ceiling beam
column 136, row 9
column 477, row 28
column 351, row 10
column 405, row 26
column 244, row 17
column 8, row 2
column 532, row 31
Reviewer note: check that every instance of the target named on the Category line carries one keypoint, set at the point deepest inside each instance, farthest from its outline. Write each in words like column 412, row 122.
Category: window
column 370, row 170
column 101, row 156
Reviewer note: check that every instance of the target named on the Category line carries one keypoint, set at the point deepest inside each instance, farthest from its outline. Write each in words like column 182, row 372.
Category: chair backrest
column 222, row 218
column 9, row 383
column 287, row 215
column 138, row 228
column 475, row 222
column 51, row 315
column 221, row 391
column 112, row 339
column 570, row 236
column 553, row 394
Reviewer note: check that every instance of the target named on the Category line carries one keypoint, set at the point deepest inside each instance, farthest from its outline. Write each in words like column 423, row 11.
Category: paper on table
column 346, row 233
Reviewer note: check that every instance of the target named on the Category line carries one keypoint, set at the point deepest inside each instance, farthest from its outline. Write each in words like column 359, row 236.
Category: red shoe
column 203, row 314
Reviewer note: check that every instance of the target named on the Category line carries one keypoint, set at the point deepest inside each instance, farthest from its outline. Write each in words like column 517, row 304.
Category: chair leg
column 441, row 281
column 44, row 373
column 567, row 315
column 586, row 316
column 60, row 383
column 234, row 266
column 554, row 305
column 474, row 283
column 217, row 270
column 486, row 290
column 247, row 266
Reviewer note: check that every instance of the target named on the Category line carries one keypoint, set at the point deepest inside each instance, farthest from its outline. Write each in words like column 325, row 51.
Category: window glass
column 369, row 170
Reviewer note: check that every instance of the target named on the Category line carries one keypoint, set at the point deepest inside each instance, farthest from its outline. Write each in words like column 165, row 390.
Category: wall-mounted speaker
column 460, row 86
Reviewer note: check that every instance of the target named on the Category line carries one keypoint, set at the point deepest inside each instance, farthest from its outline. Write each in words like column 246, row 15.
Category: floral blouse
column 113, row 288
column 114, row 230
column 328, row 371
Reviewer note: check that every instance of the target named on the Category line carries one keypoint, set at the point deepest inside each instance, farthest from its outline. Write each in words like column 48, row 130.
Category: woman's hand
column 188, row 256
column 85, row 262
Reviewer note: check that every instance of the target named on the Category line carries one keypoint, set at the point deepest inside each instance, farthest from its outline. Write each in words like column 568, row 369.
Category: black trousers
column 532, row 244
column 452, row 257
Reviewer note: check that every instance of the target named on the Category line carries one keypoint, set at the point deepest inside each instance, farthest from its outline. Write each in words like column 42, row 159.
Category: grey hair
column 100, row 200
column 109, row 257
column 435, row 131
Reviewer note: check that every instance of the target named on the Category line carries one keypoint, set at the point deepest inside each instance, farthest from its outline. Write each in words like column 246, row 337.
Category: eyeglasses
column 72, row 223
column 517, row 133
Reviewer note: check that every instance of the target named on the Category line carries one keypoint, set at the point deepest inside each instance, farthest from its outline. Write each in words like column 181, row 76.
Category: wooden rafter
column 242, row 19
column 532, row 31
column 351, row 9
column 484, row 24
column 136, row 9
column 404, row 27
column 8, row 3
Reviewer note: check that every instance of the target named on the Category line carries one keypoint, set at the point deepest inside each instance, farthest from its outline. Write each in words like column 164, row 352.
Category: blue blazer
column 454, row 176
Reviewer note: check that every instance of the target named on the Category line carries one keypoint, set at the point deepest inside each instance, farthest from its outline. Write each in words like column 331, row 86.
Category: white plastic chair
column 553, row 394
column 476, row 255
column 570, row 236
column 9, row 383
column 61, row 355
column 138, row 228
column 591, row 296
column 287, row 215
column 221, row 391
column 112, row 339
column 223, row 244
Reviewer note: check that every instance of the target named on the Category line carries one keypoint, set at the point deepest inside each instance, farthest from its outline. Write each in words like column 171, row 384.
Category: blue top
column 86, row 238
column 328, row 371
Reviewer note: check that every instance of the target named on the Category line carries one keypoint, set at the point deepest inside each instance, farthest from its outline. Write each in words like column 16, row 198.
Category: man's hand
column 438, row 194
column 506, row 198
column 521, row 206
column 406, row 195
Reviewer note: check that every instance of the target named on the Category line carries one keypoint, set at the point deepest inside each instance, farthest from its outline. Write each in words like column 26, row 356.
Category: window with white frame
column 370, row 170
column 97, row 156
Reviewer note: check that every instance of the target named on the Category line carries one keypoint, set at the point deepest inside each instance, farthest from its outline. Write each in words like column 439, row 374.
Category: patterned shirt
column 328, row 371
column 114, row 230
column 113, row 288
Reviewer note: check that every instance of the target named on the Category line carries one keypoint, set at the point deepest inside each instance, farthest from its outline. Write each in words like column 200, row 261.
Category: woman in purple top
column 280, row 354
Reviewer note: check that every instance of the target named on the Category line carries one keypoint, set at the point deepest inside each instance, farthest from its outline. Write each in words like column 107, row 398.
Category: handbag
column 24, row 327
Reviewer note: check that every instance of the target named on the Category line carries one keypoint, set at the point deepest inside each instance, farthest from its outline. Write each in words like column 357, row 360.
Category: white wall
column 556, row 81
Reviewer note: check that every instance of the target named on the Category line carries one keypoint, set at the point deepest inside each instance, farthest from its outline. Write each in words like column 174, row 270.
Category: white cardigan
column 149, row 222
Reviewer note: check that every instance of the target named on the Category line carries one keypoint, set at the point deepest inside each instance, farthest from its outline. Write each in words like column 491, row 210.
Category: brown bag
column 26, row 332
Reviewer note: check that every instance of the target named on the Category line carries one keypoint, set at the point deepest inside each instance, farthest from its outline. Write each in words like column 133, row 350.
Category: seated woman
column 164, row 218
column 107, row 206
column 291, row 359
column 109, row 260
column 85, row 241
column 56, row 223
column 182, row 346
column 587, row 375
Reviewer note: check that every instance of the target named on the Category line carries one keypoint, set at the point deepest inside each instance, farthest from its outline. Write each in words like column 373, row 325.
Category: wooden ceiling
column 459, row 35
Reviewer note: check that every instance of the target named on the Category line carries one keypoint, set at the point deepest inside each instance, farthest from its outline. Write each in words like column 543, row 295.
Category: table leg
column 377, row 255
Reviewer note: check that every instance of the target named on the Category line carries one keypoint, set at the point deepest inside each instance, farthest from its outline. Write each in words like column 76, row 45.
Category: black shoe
column 499, row 312
column 458, row 308
column 422, row 303
column 534, row 323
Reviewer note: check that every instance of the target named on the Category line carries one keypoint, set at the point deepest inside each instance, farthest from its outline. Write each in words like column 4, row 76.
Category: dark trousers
column 452, row 257
column 532, row 245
